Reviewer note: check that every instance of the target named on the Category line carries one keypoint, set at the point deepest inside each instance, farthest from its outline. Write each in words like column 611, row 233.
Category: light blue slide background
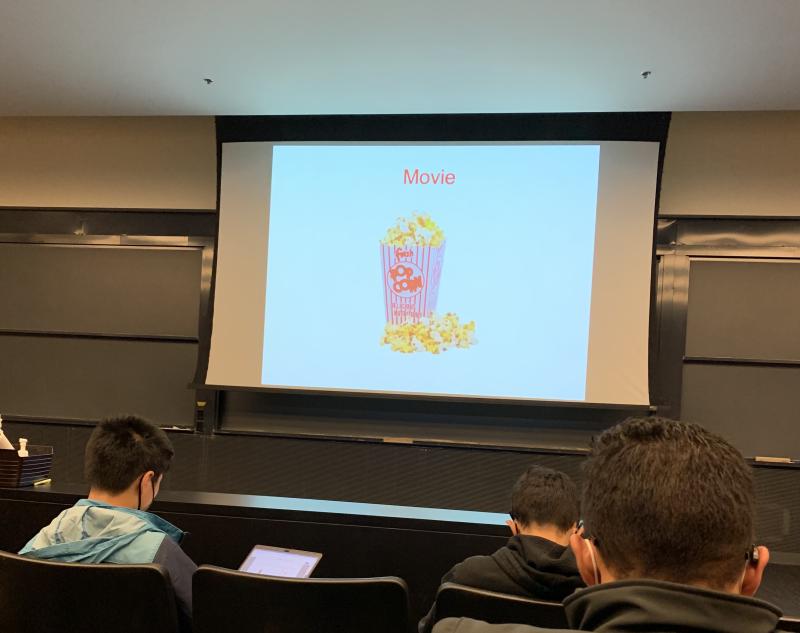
column 519, row 224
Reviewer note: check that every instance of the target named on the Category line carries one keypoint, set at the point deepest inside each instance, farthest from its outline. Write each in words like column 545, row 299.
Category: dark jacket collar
column 654, row 605
column 540, row 567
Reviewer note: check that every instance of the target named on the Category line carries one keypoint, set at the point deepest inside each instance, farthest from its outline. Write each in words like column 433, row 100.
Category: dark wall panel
column 189, row 469
column 483, row 424
column 778, row 509
column 459, row 478
column 754, row 407
column 744, row 309
column 69, row 443
column 87, row 379
column 437, row 477
column 150, row 291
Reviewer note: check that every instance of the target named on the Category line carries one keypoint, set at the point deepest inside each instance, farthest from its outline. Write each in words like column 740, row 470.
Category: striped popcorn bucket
column 411, row 277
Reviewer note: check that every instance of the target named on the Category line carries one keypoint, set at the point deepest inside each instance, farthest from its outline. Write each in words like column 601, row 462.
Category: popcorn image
column 412, row 256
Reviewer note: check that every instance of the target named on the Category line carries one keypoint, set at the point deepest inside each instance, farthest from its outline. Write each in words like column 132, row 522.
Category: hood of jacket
column 655, row 605
column 96, row 532
column 543, row 568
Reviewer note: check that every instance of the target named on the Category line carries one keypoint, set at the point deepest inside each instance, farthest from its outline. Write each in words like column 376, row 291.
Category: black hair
column 121, row 449
column 670, row 501
column 544, row 496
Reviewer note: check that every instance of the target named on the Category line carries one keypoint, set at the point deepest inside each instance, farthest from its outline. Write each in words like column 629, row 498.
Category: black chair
column 458, row 601
column 227, row 600
column 39, row 596
column 792, row 625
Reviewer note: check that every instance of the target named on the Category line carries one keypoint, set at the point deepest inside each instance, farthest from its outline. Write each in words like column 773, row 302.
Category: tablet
column 279, row 561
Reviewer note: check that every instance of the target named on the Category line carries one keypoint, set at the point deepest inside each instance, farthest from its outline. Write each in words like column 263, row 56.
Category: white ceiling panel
column 149, row 57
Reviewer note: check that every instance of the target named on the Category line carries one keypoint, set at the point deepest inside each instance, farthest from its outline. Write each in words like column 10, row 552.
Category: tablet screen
column 278, row 561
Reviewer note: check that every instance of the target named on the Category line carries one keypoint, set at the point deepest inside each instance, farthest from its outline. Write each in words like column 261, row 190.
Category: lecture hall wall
column 717, row 163
column 108, row 162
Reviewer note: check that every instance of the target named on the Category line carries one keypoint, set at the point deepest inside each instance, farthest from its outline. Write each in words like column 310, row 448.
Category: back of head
column 670, row 501
column 121, row 449
column 543, row 496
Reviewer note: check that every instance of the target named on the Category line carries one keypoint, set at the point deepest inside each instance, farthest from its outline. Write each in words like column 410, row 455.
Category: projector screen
column 492, row 270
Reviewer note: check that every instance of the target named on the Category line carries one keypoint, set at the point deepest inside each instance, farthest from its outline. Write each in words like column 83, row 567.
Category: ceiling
column 150, row 57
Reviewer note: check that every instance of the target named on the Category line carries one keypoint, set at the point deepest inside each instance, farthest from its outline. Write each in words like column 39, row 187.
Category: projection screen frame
column 463, row 128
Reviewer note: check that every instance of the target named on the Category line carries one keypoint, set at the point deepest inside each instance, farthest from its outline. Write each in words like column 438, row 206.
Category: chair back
column 227, row 600
column 459, row 601
column 38, row 596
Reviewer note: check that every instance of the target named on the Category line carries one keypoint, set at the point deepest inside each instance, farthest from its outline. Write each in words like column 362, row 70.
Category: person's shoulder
column 468, row 625
column 170, row 554
column 473, row 569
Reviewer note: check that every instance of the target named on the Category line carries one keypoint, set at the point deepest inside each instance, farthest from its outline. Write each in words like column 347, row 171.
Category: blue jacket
column 96, row 532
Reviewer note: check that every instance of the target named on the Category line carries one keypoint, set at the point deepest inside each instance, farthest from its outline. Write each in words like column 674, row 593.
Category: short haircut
column 121, row 449
column 544, row 496
column 670, row 501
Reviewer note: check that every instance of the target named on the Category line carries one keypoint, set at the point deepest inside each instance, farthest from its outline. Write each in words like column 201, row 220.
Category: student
column 537, row 561
column 667, row 543
column 125, row 461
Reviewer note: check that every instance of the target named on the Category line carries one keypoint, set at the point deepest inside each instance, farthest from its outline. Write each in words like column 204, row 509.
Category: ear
column 512, row 525
column 754, row 572
column 583, row 558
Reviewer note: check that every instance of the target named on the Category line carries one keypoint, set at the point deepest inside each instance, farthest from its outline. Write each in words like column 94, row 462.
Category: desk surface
column 320, row 510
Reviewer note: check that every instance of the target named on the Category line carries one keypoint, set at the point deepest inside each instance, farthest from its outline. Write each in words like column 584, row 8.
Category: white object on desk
column 4, row 443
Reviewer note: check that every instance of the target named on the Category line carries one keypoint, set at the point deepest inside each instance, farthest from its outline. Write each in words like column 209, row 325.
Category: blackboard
column 755, row 408
column 88, row 331
column 741, row 375
column 100, row 289
column 744, row 309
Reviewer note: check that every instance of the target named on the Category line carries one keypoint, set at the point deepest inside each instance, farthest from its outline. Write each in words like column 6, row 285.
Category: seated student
column 125, row 461
column 537, row 561
column 668, row 535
